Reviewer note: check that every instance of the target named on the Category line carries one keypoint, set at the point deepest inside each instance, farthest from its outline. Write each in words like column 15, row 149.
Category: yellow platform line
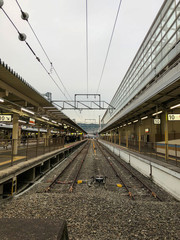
column 14, row 159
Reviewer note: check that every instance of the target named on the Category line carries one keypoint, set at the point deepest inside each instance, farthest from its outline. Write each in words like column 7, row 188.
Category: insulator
column 24, row 15
column 22, row 37
column 1, row 3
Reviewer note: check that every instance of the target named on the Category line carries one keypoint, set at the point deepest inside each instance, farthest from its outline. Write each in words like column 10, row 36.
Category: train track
column 100, row 168
column 69, row 174
column 125, row 174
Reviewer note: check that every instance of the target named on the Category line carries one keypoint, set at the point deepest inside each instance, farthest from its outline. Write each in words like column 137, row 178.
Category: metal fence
column 169, row 153
column 15, row 151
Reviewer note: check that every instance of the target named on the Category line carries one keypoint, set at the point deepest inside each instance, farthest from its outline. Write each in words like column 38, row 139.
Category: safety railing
column 15, row 151
column 169, row 153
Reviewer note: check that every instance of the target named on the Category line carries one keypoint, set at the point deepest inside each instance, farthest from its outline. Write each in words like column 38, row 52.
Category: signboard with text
column 5, row 118
column 157, row 121
column 174, row 117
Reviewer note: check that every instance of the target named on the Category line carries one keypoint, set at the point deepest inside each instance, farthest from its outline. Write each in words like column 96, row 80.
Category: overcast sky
column 61, row 28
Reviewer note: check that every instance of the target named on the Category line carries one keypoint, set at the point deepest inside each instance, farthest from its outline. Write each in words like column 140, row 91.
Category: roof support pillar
column 139, row 137
column 119, row 136
column 15, row 132
column 166, row 135
column 126, row 137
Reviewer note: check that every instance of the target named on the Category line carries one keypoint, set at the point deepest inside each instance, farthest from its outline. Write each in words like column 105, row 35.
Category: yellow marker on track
column 79, row 181
column 119, row 185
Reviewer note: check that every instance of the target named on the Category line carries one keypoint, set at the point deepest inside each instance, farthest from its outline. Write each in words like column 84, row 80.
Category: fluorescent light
column 124, row 125
column 21, row 121
column 60, row 124
column 135, row 121
column 53, row 121
column 156, row 113
column 45, row 118
column 129, row 123
column 175, row 106
column 27, row 110
column 121, row 126
column 144, row 117
column 1, row 100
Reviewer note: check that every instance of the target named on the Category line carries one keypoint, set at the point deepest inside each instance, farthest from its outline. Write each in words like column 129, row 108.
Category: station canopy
column 19, row 97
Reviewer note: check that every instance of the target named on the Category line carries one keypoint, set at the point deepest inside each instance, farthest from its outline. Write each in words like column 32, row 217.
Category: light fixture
column 53, row 121
column 124, row 125
column 45, row 118
column 156, row 113
column 129, row 123
column 135, row 121
column 175, row 106
column 144, row 117
column 27, row 110
column 1, row 100
column 21, row 121
column 60, row 124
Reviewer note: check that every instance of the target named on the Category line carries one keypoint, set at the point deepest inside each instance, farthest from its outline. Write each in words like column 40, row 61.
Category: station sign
column 31, row 121
column 157, row 121
column 174, row 117
column 147, row 130
column 5, row 118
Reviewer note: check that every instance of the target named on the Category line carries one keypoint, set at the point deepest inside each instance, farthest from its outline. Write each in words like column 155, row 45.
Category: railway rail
column 78, row 162
column 96, row 166
column 106, row 153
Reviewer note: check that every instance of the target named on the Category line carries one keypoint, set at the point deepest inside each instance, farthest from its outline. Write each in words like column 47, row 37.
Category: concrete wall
column 166, row 178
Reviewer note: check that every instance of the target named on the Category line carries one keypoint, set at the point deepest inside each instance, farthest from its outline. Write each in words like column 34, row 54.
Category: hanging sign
column 5, row 118
column 147, row 130
column 174, row 117
column 31, row 121
column 157, row 121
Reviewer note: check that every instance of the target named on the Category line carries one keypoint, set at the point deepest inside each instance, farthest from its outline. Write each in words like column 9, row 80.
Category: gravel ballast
column 94, row 213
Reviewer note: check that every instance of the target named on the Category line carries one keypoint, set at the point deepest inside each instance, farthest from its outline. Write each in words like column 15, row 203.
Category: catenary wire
column 37, row 58
column 51, row 64
column 117, row 14
column 47, row 57
column 87, row 63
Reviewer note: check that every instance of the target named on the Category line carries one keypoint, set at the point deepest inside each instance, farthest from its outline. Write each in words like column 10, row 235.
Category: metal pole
column 166, row 136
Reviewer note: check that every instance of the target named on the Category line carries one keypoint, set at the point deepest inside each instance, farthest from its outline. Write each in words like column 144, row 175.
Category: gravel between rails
column 94, row 213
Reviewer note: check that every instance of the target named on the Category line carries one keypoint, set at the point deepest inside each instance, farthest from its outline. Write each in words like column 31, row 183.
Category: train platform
column 37, row 229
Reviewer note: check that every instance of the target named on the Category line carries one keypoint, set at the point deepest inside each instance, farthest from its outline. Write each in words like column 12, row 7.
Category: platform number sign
column 157, row 121
column 5, row 118
column 173, row 117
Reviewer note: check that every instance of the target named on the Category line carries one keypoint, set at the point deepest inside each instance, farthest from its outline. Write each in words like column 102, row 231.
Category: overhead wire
column 51, row 64
column 87, row 63
column 28, row 45
column 107, row 53
column 24, row 17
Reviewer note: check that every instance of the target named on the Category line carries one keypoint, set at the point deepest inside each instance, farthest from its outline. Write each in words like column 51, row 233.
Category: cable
column 87, row 63
column 37, row 58
column 109, row 45
column 25, row 16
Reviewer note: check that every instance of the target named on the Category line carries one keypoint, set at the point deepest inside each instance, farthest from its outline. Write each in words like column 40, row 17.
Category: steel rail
column 75, row 179
column 60, row 174
column 144, row 184
column 117, row 175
